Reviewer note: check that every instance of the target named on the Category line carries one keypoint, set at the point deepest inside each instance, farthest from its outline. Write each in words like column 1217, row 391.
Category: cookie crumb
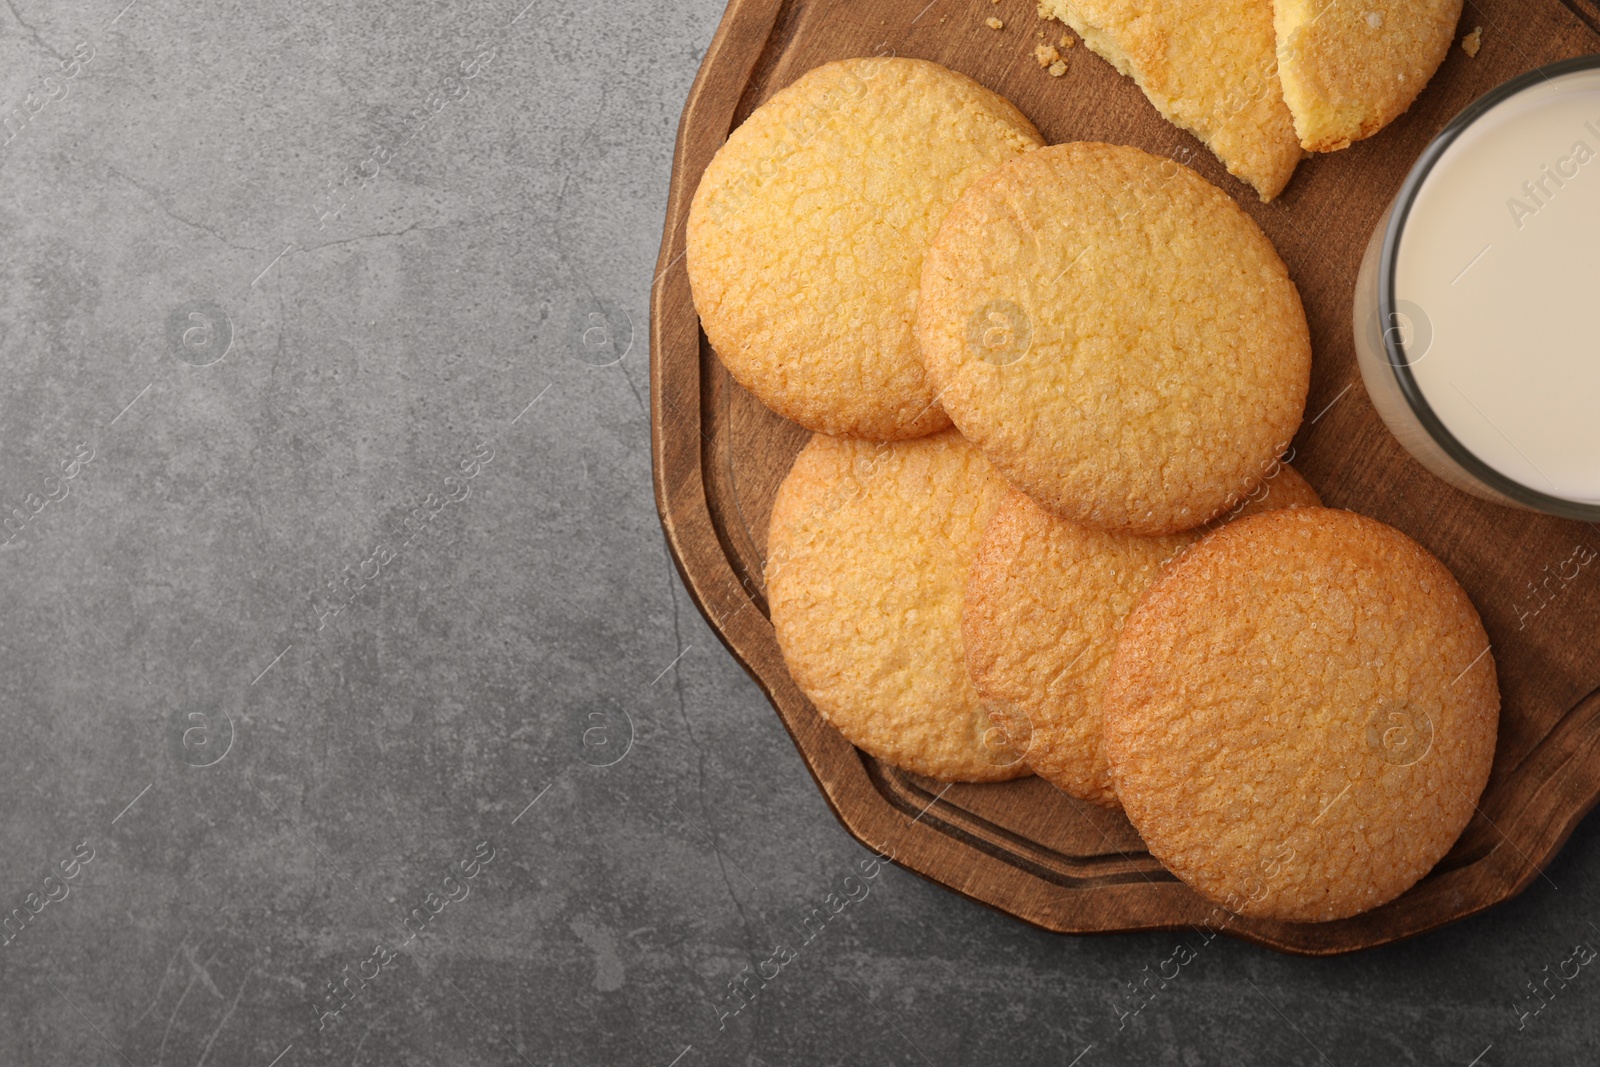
column 1058, row 68
column 1067, row 40
column 1472, row 42
column 1046, row 54
column 994, row 23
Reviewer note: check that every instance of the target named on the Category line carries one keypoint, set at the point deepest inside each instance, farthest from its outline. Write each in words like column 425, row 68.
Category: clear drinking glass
column 1512, row 431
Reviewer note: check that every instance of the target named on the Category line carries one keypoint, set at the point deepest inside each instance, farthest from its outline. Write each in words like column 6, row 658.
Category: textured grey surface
column 269, row 786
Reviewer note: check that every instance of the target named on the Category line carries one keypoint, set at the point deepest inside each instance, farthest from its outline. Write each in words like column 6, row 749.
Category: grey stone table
column 353, row 711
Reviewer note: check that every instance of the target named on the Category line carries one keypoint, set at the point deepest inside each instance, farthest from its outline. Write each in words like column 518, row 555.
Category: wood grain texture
column 1023, row 847
column 1588, row 11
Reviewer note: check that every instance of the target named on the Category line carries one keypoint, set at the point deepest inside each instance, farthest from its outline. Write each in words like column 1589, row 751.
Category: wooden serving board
column 1023, row 847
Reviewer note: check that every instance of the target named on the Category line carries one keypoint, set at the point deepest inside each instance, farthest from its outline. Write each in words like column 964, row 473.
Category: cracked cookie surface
column 806, row 236
column 1301, row 714
column 1116, row 335
column 867, row 560
column 1045, row 602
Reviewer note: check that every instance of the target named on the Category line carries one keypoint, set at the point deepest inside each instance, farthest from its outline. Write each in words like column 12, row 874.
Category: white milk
column 1501, row 254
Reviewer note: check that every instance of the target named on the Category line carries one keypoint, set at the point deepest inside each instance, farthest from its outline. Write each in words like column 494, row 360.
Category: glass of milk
column 1477, row 310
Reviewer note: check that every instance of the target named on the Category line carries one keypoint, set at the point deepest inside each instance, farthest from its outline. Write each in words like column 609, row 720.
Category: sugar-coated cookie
column 1350, row 69
column 1116, row 335
column 1045, row 602
column 867, row 559
column 806, row 235
column 1301, row 714
column 1209, row 66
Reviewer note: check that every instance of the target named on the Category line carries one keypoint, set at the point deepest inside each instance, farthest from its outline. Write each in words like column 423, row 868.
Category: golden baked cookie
column 1045, row 601
column 1349, row 69
column 1301, row 713
column 867, row 557
column 1118, row 337
column 1209, row 66
column 806, row 234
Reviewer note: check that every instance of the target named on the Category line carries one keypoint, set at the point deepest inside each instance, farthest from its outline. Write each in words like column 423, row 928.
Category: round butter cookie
column 1301, row 713
column 806, row 234
column 1116, row 335
column 1045, row 601
column 867, row 556
column 1350, row 69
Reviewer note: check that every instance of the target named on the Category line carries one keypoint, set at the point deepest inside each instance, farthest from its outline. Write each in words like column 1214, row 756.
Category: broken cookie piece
column 1208, row 67
column 1351, row 67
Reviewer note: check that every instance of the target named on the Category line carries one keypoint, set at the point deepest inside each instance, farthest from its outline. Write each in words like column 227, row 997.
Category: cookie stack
column 1045, row 524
